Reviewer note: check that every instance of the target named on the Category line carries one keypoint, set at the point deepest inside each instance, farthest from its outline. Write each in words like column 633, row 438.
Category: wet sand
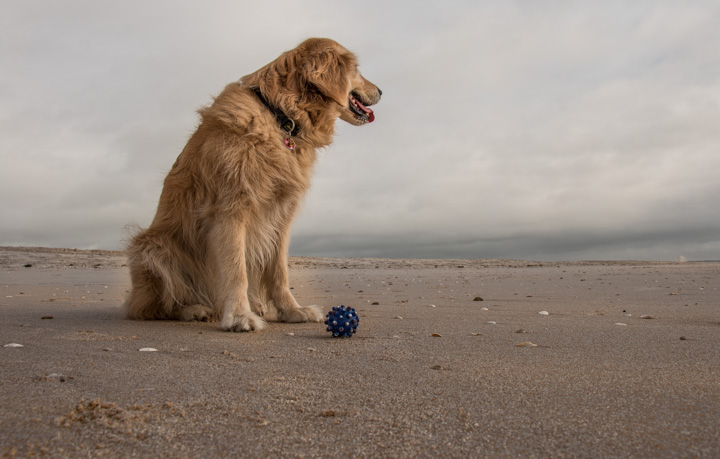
column 451, row 359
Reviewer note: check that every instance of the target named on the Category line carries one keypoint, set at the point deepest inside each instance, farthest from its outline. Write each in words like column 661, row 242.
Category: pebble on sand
column 13, row 345
column 620, row 323
column 148, row 349
column 527, row 344
column 544, row 313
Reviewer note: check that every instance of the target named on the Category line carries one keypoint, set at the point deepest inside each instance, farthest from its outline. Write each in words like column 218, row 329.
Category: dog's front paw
column 248, row 321
column 304, row 314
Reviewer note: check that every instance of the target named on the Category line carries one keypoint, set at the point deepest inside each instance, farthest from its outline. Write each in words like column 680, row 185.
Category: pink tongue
column 370, row 114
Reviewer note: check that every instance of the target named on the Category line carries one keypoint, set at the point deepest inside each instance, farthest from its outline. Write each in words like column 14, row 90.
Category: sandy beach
column 452, row 358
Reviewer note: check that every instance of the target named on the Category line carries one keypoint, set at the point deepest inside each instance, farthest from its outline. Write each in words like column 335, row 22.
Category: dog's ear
column 329, row 71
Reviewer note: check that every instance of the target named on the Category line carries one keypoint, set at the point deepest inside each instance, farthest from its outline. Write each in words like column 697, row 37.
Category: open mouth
column 358, row 109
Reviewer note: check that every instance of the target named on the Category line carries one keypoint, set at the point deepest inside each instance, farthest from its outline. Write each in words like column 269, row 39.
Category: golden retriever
column 218, row 245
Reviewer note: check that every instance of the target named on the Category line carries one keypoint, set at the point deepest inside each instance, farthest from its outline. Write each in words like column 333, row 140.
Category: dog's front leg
column 278, row 287
column 227, row 248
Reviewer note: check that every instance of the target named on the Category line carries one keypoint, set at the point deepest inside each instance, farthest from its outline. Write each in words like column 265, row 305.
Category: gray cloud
column 572, row 130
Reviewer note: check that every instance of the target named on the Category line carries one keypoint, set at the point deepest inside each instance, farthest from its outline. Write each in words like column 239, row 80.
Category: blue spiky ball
column 342, row 322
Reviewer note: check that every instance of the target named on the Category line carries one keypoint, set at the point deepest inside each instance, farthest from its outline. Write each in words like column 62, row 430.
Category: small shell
column 13, row 345
column 148, row 349
column 647, row 317
column 544, row 313
column 619, row 323
column 527, row 344
column 437, row 335
column 55, row 376
column 483, row 309
column 492, row 322
column 398, row 317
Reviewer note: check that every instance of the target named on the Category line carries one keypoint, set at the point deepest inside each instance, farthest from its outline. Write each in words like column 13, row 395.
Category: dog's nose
column 380, row 91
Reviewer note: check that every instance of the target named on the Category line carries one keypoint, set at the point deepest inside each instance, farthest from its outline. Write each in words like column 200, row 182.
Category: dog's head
column 319, row 76
column 333, row 72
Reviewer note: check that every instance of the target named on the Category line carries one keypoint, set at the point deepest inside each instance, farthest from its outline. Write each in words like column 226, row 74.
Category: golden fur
column 217, row 247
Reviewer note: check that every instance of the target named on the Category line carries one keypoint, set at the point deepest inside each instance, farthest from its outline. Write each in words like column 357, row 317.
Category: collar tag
column 289, row 126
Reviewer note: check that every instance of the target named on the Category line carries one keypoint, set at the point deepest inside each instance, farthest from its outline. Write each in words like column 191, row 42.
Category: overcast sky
column 543, row 130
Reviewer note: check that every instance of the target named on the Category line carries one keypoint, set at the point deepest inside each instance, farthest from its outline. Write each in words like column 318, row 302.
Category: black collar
column 286, row 124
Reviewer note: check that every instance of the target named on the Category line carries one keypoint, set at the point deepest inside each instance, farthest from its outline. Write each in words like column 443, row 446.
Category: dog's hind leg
column 227, row 252
column 193, row 312
column 256, row 292
column 144, row 301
